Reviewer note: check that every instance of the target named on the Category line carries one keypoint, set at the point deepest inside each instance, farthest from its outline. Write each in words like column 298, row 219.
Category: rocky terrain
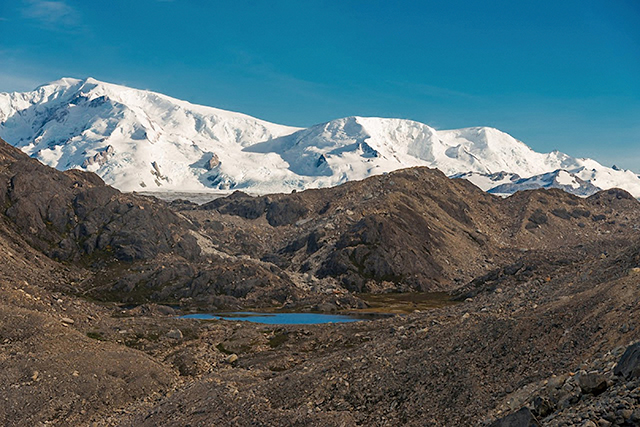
column 543, row 284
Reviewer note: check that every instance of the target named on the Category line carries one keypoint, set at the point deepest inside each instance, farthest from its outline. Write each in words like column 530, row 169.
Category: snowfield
column 138, row 140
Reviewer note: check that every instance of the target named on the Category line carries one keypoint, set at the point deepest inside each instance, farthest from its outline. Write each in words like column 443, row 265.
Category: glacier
column 138, row 140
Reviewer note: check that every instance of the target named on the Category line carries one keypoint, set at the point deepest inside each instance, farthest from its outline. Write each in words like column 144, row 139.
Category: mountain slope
column 132, row 138
column 557, row 179
column 356, row 147
column 140, row 140
column 409, row 230
column 503, row 183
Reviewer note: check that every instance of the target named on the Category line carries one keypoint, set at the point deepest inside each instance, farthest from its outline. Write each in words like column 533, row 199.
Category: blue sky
column 555, row 74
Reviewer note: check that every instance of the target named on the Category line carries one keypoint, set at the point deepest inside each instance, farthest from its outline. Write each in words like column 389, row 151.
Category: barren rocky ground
column 544, row 302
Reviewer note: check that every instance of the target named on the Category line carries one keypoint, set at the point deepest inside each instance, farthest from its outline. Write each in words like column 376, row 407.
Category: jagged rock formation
column 100, row 158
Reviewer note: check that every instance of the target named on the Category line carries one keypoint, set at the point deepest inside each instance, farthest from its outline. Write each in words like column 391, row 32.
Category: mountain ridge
column 140, row 140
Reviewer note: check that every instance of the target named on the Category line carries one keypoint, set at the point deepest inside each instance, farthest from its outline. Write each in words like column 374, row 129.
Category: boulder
column 542, row 407
column 175, row 334
column 592, row 383
column 629, row 364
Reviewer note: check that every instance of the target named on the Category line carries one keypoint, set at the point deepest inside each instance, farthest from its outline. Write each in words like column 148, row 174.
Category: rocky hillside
column 73, row 214
column 50, row 370
column 535, row 340
column 413, row 229
column 544, row 304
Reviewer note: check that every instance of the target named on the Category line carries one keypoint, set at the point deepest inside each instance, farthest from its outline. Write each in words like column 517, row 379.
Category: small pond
column 279, row 318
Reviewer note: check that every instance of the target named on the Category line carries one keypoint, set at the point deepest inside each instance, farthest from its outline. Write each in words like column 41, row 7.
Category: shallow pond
column 279, row 318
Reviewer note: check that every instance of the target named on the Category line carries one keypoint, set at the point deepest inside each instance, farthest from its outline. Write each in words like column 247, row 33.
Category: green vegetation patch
column 278, row 339
column 96, row 335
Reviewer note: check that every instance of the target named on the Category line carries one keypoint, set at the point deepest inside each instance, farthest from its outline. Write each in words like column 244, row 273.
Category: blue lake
column 278, row 318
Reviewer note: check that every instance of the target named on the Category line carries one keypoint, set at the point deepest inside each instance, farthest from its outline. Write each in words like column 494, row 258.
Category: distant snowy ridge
column 504, row 183
column 144, row 141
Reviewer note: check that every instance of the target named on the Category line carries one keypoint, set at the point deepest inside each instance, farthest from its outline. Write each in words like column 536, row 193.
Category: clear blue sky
column 554, row 74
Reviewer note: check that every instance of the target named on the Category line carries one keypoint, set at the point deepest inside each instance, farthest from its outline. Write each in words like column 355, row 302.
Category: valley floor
column 68, row 361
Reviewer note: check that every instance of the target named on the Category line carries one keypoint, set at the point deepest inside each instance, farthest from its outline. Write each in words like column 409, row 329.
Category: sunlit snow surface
column 138, row 140
column 505, row 184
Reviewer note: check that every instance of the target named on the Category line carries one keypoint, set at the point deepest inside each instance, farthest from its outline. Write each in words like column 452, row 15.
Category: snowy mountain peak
column 569, row 182
column 142, row 140
column 120, row 133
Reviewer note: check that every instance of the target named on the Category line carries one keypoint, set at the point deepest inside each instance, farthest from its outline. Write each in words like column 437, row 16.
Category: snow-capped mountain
column 504, row 183
column 133, row 139
column 141, row 140
column 487, row 181
column 356, row 147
